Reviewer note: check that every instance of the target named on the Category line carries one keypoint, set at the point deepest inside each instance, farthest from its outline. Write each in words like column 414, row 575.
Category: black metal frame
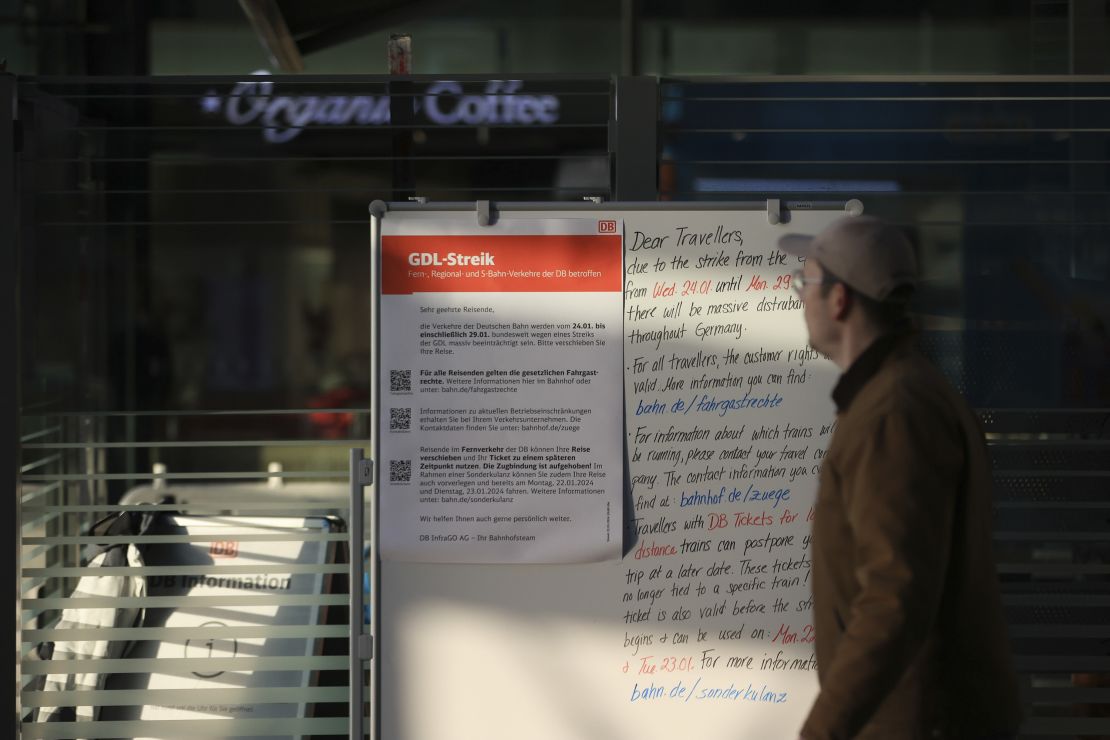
column 635, row 139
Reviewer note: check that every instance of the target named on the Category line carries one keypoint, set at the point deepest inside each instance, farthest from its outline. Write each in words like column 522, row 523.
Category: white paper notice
column 501, row 390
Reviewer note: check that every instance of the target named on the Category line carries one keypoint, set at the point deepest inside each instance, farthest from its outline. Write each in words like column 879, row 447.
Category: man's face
column 817, row 309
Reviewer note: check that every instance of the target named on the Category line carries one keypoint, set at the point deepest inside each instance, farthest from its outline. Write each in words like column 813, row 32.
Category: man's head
column 858, row 276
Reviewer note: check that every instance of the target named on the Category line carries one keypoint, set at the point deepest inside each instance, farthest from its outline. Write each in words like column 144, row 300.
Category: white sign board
column 501, row 414
column 703, row 629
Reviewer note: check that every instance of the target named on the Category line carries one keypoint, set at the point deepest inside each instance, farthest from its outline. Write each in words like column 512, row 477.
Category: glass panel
column 1004, row 186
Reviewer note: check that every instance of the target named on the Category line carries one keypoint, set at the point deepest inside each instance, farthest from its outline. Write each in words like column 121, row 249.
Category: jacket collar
column 866, row 365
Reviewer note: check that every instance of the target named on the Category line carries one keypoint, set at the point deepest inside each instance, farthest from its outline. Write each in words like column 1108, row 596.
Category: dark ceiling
column 291, row 29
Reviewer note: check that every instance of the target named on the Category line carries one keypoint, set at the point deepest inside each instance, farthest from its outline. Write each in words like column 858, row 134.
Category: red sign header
column 501, row 263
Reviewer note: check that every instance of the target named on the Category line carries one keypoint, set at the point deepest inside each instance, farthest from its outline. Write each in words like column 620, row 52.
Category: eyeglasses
column 799, row 281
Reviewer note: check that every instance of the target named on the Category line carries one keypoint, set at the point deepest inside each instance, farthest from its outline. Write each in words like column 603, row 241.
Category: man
column 910, row 637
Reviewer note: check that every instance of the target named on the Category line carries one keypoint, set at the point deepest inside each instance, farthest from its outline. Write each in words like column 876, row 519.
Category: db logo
column 607, row 227
column 224, row 549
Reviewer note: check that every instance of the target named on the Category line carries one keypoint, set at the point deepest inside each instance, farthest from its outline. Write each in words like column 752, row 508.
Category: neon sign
column 443, row 103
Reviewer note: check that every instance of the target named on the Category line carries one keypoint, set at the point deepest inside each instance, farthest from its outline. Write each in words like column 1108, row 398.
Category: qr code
column 400, row 471
column 399, row 419
column 400, row 381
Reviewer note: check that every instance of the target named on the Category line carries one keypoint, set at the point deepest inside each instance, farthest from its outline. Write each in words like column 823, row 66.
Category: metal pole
column 10, row 371
column 1086, row 55
column 634, row 139
column 630, row 37
column 360, row 471
column 401, row 114
column 377, row 210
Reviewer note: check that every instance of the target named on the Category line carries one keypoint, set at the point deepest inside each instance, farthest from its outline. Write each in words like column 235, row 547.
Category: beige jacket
column 910, row 637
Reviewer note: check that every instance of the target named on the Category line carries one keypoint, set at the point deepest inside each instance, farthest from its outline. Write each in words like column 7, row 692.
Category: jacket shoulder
column 908, row 384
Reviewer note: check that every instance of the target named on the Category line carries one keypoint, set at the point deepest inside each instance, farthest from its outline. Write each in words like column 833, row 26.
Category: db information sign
column 502, row 378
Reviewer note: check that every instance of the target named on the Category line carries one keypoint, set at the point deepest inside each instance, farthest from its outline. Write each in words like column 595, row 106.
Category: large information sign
column 704, row 627
column 502, row 373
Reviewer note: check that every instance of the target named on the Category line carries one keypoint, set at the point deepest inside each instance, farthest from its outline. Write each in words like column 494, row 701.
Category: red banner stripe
column 501, row 263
